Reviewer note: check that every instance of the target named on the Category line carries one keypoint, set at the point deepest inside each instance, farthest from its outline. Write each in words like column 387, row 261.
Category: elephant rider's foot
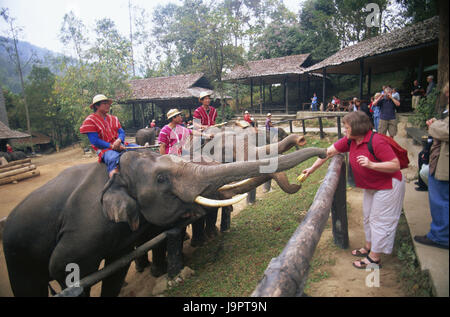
column 114, row 171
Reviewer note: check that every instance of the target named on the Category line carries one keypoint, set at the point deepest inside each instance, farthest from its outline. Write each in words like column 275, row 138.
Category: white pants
column 381, row 212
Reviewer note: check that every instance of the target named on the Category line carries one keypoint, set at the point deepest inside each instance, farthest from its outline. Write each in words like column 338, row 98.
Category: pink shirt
column 206, row 118
column 364, row 177
column 174, row 139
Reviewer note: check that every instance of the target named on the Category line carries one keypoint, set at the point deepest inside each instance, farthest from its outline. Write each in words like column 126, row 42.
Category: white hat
column 98, row 98
column 246, row 111
column 172, row 113
column 203, row 94
column 269, row 114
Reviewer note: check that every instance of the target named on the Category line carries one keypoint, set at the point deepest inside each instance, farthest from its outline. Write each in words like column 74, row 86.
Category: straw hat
column 269, row 114
column 172, row 113
column 246, row 111
column 98, row 98
column 203, row 94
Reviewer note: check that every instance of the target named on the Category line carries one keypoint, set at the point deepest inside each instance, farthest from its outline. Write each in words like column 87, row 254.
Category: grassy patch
column 234, row 263
column 417, row 282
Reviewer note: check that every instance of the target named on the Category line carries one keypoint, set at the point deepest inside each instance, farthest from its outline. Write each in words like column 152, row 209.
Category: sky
column 41, row 19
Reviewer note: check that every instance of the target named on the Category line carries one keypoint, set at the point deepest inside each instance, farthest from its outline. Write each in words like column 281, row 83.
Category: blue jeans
column 314, row 107
column 112, row 158
column 438, row 196
column 376, row 121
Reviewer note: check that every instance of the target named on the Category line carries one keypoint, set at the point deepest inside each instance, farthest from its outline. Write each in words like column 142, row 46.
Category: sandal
column 357, row 252
column 363, row 265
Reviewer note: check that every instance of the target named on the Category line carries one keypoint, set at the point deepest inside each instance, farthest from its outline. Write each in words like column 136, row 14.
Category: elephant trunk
column 207, row 179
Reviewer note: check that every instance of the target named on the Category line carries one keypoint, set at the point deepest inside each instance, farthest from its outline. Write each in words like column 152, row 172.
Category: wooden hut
column 412, row 46
column 282, row 70
column 6, row 134
column 180, row 91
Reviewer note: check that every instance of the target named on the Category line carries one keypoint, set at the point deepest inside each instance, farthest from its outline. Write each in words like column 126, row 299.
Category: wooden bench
column 418, row 135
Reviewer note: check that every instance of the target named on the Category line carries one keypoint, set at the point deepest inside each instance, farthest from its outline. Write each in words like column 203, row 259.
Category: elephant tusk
column 219, row 203
column 234, row 185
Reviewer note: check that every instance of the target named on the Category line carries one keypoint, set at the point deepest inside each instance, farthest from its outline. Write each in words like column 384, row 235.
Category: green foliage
column 426, row 109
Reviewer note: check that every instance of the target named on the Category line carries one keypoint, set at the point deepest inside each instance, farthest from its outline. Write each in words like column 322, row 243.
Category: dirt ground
column 342, row 279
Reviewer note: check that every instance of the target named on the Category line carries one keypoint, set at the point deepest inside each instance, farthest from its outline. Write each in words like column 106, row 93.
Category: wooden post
column 369, row 83
column 361, row 77
column 298, row 91
column 304, row 126
column 251, row 93
column 339, row 211
column 286, row 274
column 286, row 95
column 260, row 96
column 339, row 127
column 290, row 126
column 237, row 96
column 324, row 83
column 174, row 252
column 322, row 135
column 420, row 70
column 134, row 115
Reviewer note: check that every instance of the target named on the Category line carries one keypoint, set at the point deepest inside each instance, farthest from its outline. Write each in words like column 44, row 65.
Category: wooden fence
column 286, row 274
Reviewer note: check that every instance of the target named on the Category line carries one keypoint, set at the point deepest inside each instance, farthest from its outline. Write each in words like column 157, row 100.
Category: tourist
column 382, row 182
column 388, row 105
column 431, row 85
column 416, row 93
column 375, row 109
column 395, row 94
column 438, row 178
column 314, row 102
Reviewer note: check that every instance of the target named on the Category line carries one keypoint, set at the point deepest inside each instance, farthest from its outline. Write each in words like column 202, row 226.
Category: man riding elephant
column 105, row 133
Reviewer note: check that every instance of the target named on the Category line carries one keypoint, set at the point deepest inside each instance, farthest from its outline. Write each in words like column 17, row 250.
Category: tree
column 14, row 34
column 73, row 33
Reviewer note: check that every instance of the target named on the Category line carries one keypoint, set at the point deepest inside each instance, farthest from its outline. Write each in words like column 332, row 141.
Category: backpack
column 401, row 153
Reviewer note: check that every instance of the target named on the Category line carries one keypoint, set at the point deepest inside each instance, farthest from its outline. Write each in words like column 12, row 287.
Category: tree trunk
column 442, row 54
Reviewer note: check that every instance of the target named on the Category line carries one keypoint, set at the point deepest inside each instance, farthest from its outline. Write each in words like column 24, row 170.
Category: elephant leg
column 28, row 279
column 210, row 223
column 198, row 232
column 112, row 285
column 225, row 220
column 141, row 263
column 159, row 260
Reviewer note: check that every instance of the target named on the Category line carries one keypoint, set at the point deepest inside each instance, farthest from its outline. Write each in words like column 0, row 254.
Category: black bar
column 324, row 83
column 290, row 126
column 322, row 135
column 361, row 77
column 304, row 126
column 339, row 212
column 251, row 198
column 339, row 127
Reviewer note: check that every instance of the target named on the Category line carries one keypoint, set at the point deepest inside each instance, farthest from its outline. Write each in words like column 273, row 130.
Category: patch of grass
column 233, row 263
column 417, row 282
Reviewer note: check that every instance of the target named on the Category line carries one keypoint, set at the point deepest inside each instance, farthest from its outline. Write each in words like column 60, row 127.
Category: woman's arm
column 331, row 151
column 385, row 167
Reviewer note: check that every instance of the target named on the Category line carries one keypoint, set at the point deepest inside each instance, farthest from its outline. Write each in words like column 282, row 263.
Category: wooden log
column 286, row 275
column 17, row 171
column 19, row 177
column 18, row 162
column 14, row 167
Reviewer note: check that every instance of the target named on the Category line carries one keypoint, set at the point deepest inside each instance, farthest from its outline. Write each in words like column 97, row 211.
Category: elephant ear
column 118, row 205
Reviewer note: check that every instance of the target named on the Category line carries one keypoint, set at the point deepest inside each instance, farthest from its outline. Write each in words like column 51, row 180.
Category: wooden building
column 289, row 71
column 7, row 135
column 180, row 91
column 412, row 46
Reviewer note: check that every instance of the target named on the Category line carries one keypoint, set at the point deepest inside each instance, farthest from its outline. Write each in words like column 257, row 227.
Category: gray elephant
column 82, row 217
column 146, row 135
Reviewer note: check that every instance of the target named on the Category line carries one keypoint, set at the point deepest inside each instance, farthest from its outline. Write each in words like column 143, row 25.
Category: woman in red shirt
column 382, row 181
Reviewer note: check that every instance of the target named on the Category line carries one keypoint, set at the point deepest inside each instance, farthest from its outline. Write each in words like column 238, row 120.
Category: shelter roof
column 7, row 133
column 386, row 52
column 271, row 70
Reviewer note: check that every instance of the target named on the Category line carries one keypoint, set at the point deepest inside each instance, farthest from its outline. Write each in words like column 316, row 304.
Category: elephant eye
column 161, row 179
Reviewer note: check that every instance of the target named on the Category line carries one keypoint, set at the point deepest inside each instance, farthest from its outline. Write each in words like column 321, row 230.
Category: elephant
column 82, row 217
column 146, row 135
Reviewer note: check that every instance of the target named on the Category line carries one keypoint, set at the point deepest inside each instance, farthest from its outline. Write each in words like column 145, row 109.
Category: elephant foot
column 197, row 242
column 158, row 270
column 212, row 233
column 141, row 264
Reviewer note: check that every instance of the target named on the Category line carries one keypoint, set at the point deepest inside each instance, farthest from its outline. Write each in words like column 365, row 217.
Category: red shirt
column 364, row 177
column 107, row 129
column 206, row 118
column 174, row 139
column 247, row 118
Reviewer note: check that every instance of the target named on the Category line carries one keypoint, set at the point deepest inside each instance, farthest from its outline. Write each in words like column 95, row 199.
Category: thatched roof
column 271, row 70
column 7, row 133
column 408, row 43
column 168, row 88
column 38, row 139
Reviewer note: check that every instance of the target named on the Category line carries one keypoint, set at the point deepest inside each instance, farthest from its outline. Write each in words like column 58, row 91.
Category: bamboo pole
column 19, row 177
